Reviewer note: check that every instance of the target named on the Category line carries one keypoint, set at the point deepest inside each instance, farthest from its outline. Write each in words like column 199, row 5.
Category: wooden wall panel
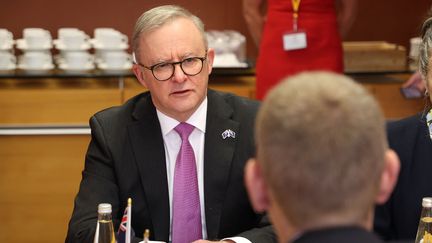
column 39, row 177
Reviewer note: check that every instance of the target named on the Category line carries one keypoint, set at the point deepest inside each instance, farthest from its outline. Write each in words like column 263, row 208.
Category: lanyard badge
column 295, row 39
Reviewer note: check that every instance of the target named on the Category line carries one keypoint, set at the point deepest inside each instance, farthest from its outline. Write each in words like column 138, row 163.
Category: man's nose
column 179, row 75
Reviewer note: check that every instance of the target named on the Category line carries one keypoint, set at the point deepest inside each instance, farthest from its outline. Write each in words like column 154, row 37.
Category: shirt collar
column 198, row 119
column 429, row 122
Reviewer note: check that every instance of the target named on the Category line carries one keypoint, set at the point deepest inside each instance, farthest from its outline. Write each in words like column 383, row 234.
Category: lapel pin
column 228, row 133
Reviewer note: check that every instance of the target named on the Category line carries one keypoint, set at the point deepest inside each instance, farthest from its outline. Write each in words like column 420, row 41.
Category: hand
column 416, row 81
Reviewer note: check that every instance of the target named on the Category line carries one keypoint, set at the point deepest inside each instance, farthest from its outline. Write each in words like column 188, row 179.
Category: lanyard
column 295, row 6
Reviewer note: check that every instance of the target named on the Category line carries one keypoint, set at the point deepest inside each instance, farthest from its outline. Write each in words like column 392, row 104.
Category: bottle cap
column 104, row 208
column 427, row 202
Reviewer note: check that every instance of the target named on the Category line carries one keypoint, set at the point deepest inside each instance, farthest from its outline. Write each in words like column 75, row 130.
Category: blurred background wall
column 394, row 21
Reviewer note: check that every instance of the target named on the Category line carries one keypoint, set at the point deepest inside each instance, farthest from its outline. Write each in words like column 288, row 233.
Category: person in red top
column 297, row 35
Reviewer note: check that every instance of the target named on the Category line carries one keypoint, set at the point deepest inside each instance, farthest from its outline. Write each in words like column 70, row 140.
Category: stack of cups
column 110, row 46
column 73, row 45
column 7, row 57
column 414, row 53
column 36, row 48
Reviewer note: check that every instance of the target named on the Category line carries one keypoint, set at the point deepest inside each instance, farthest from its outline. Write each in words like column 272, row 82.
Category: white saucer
column 61, row 46
column 100, row 46
column 22, row 44
column 104, row 67
column 44, row 68
column 7, row 46
column 228, row 60
column 87, row 67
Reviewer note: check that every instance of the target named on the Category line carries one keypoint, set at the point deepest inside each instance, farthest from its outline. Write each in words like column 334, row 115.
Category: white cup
column 65, row 30
column 115, row 59
column 6, row 39
column 74, row 39
column 103, row 54
column 7, row 60
column 98, row 32
column 107, row 38
column 36, row 38
column 35, row 59
column 76, row 59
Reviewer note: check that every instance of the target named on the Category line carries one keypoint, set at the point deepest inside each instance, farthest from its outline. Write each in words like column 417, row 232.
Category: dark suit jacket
column 398, row 219
column 126, row 158
column 338, row 235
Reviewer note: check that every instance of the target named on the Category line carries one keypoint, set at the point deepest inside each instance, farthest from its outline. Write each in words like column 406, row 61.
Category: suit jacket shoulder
column 405, row 128
column 337, row 235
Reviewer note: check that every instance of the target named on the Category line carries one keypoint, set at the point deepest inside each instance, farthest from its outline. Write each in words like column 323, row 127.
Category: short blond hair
column 321, row 143
column 159, row 16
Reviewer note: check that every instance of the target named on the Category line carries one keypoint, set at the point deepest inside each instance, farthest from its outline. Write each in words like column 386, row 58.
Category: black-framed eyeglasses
column 190, row 66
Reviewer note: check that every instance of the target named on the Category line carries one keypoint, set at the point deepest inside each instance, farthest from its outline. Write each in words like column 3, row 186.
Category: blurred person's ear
column 256, row 186
column 389, row 176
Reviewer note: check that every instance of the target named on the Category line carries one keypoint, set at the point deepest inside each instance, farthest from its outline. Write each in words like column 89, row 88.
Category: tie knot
column 184, row 130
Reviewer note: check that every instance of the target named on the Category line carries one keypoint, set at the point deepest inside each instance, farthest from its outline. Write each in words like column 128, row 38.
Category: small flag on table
column 125, row 229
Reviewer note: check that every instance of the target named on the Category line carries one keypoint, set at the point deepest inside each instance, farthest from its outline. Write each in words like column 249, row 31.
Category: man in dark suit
column 411, row 138
column 138, row 150
column 322, row 160
column 399, row 217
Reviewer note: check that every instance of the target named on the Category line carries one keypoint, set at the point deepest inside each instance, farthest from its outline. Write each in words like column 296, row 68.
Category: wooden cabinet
column 72, row 100
column 55, row 101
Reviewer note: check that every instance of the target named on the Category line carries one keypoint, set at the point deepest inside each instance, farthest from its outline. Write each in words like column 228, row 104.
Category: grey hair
column 425, row 48
column 158, row 16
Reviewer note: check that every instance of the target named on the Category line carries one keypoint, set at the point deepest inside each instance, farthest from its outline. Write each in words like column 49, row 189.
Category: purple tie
column 186, row 204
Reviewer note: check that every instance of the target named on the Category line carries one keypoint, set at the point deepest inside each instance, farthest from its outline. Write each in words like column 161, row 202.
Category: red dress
column 324, row 48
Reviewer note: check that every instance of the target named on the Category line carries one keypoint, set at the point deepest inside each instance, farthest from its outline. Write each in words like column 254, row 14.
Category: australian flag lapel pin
column 228, row 134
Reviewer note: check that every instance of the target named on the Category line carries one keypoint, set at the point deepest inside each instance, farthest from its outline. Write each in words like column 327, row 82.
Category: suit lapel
column 147, row 143
column 218, row 156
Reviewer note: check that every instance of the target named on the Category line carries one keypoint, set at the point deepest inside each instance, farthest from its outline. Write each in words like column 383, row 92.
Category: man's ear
column 389, row 176
column 210, row 59
column 139, row 74
column 256, row 186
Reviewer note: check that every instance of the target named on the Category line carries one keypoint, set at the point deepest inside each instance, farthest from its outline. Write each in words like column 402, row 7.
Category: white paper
column 294, row 41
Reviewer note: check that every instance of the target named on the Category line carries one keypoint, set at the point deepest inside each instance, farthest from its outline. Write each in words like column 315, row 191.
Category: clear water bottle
column 105, row 229
column 424, row 232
